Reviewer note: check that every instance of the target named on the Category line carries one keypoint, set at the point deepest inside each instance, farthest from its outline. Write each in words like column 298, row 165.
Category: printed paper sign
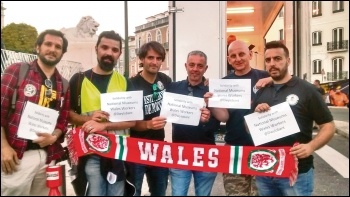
column 181, row 109
column 36, row 119
column 123, row 106
column 230, row 93
column 274, row 124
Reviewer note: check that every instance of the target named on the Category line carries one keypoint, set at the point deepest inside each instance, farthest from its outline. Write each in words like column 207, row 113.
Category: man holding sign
column 239, row 56
column 23, row 161
column 86, row 112
column 307, row 106
column 202, row 133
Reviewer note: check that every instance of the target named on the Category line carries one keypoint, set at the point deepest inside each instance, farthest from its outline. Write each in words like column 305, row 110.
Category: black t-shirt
column 100, row 81
column 152, row 103
column 236, row 133
column 307, row 106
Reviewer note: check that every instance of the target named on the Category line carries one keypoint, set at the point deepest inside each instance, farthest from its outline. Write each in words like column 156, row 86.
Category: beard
column 51, row 63
column 106, row 66
column 281, row 73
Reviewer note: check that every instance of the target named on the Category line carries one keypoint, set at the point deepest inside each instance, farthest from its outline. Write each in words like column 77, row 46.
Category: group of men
column 23, row 162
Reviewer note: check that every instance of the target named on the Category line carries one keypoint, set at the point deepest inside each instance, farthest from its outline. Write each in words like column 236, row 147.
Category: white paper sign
column 274, row 124
column 36, row 118
column 181, row 109
column 230, row 93
column 123, row 106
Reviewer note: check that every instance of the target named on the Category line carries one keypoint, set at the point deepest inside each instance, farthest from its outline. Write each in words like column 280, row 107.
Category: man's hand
column 92, row 126
column 205, row 114
column 263, row 82
column 302, row 150
column 45, row 139
column 100, row 116
column 156, row 123
column 206, row 97
column 263, row 107
column 9, row 160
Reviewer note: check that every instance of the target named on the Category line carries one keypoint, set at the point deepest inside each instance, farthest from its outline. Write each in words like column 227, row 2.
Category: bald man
column 238, row 57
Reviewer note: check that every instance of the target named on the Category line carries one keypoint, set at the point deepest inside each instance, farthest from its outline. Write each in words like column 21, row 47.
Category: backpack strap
column 23, row 70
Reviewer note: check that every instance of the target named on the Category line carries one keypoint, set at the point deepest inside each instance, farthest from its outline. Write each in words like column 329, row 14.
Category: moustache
column 273, row 68
column 108, row 58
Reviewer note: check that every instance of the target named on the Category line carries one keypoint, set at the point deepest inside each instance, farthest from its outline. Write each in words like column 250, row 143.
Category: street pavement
column 342, row 128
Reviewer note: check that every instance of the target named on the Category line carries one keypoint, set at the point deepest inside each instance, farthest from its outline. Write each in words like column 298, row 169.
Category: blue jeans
column 98, row 185
column 180, row 182
column 157, row 178
column 273, row 186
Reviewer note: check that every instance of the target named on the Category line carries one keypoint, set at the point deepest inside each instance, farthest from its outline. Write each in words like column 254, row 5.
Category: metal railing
column 65, row 67
column 153, row 24
column 336, row 76
column 337, row 46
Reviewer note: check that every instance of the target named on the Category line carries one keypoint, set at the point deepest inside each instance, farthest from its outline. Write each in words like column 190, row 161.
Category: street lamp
column 126, row 54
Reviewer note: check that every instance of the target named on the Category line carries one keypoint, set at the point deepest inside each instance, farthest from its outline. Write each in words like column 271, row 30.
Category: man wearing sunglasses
column 153, row 83
column 24, row 162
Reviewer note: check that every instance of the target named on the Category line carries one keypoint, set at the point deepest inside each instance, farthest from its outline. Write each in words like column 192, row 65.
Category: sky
column 66, row 14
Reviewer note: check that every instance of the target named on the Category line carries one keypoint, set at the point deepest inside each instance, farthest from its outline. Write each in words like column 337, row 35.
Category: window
column 337, row 68
column 281, row 13
column 316, row 38
column 149, row 37
column 139, row 43
column 316, row 8
column 338, row 6
column 317, row 66
column 338, row 34
column 159, row 36
column 281, row 34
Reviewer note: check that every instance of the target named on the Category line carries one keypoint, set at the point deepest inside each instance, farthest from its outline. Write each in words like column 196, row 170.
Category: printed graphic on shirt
column 29, row 90
column 153, row 103
column 47, row 96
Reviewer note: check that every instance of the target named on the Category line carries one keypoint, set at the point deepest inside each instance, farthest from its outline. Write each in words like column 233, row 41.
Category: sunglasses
column 190, row 89
column 155, row 93
column 48, row 84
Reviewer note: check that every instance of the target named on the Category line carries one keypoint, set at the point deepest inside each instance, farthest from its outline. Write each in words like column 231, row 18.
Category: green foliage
column 19, row 37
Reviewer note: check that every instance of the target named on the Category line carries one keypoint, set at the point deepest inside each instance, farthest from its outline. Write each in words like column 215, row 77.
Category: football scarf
column 249, row 160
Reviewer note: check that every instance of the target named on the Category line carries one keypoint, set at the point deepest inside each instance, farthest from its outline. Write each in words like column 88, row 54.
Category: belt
column 33, row 146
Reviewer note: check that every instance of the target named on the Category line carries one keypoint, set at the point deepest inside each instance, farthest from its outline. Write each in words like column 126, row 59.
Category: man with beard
column 239, row 56
column 24, row 162
column 153, row 83
column 86, row 112
column 307, row 105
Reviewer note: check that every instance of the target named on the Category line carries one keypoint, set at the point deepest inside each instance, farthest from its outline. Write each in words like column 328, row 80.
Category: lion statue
column 86, row 28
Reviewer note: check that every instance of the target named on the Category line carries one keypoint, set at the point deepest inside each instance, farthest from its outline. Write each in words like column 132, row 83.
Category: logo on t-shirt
column 292, row 99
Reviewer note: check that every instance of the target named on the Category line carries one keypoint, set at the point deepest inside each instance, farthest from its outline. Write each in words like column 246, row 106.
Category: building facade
column 329, row 34
column 155, row 29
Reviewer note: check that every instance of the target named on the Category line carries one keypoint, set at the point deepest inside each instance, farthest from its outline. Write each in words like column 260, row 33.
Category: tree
column 19, row 37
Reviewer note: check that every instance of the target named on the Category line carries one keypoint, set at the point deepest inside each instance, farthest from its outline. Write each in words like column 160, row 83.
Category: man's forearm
column 119, row 125
column 141, row 125
column 221, row 114
column 324, row 135
column 78, row 119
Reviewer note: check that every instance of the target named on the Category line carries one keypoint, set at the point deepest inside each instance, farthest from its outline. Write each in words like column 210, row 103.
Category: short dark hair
column 317, row 81
column 197, row 52
column 155, row 46
column 40, row 39
column 110, row 35
column 277, row 44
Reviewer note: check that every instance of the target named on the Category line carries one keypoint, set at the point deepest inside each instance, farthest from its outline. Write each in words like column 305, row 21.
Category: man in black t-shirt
column 153, row 83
